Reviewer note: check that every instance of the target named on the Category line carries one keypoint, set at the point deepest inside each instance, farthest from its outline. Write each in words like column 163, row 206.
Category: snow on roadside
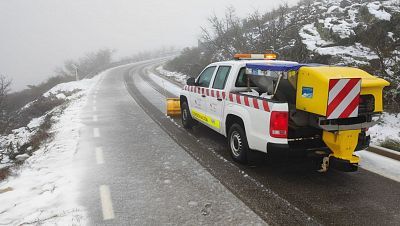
column 62, row 88
column 381, row 165
column 179, row 77
column 172, row 88
column 44, row 189
column 10, row 143
column 388, row 127
column 18, row 138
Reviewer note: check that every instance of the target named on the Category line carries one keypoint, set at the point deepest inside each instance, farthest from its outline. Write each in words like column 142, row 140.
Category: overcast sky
column 38, row 35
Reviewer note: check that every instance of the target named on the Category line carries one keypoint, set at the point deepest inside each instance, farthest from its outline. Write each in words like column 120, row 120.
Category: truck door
column 198, row 96
column 216, row 98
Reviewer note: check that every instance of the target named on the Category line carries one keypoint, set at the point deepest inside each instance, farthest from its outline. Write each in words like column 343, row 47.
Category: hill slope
column 359, row 33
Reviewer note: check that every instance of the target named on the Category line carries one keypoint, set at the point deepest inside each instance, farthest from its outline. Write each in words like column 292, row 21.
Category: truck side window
column 221, row 76
column 205, row 77
column 241, row 80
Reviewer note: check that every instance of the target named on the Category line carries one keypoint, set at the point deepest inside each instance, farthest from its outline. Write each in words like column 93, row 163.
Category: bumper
column 272, row 147
column 277, row 149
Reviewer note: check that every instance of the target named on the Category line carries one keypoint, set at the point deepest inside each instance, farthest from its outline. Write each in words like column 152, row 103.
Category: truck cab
column 254, row 101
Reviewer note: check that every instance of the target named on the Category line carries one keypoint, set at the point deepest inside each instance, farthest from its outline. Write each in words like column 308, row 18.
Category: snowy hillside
column 343, row 30
column 361, row 33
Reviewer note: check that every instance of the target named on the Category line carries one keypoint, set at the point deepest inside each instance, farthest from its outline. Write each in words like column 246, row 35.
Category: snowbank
column 381, row 165
column 388, row 127
column 172, row 88
column 19, row 137
column 179, row 77
column 44, row 189
column 60, row 89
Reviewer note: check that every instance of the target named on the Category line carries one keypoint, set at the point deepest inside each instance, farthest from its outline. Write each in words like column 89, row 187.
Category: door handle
column 219, row 99
column 203, row 95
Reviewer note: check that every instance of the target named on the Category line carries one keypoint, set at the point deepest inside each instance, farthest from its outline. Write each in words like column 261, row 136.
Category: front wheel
column 237, row 143
column 187, row 120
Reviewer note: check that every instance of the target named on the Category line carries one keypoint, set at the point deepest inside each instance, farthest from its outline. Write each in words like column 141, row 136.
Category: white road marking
column 94, row 108
column 94, row 101
column 99, row 155
column 95, row 118
column 96, row 132
column 94, row 96
column 106, row 203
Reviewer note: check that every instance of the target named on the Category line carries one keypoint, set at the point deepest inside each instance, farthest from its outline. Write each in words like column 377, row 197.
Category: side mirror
column 191, row 82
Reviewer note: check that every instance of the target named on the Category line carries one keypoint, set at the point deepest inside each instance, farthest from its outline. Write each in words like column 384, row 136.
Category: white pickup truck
column 260, row 114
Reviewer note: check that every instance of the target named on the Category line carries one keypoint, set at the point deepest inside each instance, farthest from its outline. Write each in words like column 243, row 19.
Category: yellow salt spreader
column 342, row 101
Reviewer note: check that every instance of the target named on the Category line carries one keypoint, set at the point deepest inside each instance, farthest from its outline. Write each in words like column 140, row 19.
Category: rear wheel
column 187, row 120
column 237, row 143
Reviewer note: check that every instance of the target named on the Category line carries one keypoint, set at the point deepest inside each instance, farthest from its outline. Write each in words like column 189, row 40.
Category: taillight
column 279, row 124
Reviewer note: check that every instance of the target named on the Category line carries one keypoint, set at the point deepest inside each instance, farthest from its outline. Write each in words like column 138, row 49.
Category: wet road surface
column 135, row 174
column 137, row 140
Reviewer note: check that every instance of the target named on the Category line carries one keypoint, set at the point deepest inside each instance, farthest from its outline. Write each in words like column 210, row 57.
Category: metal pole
column 76, row 72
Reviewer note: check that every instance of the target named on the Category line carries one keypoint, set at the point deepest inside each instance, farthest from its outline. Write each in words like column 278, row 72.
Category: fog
column 38, row 35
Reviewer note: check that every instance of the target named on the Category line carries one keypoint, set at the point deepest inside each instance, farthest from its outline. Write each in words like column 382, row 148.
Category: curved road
column 144, row 168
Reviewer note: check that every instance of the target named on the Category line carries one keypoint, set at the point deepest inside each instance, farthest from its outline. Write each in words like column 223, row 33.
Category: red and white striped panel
column 343, row 98
column 249, row 101
column 232, row 97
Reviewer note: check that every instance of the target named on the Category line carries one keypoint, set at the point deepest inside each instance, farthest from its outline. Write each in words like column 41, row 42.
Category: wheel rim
column 236, row 143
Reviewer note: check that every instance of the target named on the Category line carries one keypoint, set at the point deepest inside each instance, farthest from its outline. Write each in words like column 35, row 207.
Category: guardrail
column 384, row 152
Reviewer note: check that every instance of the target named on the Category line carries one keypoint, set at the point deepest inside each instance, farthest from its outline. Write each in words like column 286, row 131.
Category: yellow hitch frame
column 173, row 107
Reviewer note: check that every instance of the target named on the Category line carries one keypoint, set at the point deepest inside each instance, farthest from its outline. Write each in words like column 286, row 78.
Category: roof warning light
column 262, row 56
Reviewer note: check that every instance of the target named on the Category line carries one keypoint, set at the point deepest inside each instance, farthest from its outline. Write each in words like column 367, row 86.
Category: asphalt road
column 135, row 174
column 156, row 172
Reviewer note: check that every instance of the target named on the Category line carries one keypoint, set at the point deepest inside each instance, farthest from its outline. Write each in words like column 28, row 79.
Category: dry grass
column 391, row 144
column 4, row 173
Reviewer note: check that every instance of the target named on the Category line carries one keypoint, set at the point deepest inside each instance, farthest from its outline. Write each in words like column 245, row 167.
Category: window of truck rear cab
column 241, row 80
column 221, row 76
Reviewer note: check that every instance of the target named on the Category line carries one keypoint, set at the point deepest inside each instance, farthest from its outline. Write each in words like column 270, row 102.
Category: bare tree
column 5, row 84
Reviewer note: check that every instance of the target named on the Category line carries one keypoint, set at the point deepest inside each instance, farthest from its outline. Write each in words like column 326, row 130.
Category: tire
column 237, row 143
column 187, row 120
